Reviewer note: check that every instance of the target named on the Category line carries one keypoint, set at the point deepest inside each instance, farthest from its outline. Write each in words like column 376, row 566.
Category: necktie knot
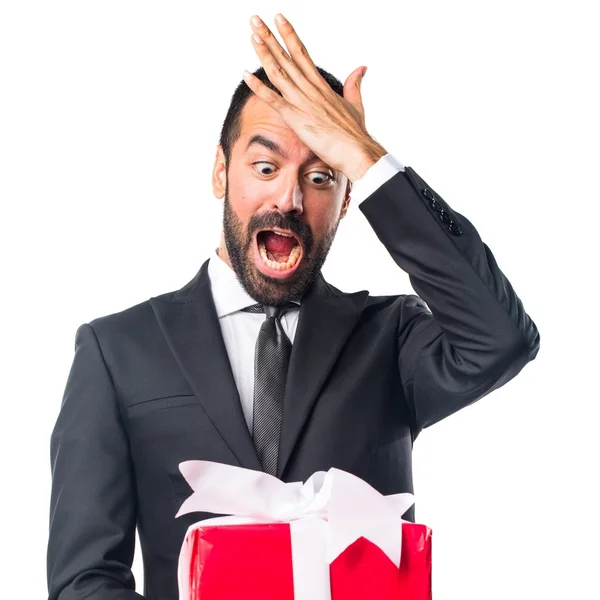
column 277, row 311
column 270, row 311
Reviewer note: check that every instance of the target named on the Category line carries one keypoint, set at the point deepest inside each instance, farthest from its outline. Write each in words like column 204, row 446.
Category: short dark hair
column 232, row 126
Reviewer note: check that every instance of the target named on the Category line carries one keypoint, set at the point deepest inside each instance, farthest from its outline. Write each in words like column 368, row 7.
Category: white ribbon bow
column 327, row 514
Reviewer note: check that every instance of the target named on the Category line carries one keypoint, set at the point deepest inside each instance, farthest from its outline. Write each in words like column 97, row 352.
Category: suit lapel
column 326, row 319
column 189, row 322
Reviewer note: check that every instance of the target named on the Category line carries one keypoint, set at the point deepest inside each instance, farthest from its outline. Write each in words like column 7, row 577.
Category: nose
column 291, row 198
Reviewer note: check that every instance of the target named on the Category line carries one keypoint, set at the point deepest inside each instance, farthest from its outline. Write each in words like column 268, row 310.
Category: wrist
column 368, row 154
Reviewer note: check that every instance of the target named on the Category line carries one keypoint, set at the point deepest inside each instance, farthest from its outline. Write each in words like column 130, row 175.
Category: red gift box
column 253, row 562
column 333, row 537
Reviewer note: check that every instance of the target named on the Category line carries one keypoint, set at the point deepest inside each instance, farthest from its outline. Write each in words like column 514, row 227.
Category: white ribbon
column 326, row 514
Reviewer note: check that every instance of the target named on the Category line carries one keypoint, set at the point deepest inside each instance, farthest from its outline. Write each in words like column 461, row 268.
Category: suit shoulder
column 404, row 301
column 131, row 321
column 140, row 311
column 403, row 311
column 123, row 319
column 409, row 302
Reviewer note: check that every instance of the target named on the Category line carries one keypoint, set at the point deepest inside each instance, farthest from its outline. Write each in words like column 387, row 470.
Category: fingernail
column 257, row 38
column 280, row 19
column 257, row 22
column 364, row 72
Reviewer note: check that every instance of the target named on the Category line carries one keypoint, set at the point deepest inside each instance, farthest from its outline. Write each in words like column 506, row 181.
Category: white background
column 109, row 120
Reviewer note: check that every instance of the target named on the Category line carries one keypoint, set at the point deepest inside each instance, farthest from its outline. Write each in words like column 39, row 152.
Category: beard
column 240, row 240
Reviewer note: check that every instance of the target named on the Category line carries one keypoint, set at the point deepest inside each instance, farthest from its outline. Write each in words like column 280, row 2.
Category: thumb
column 352, row 89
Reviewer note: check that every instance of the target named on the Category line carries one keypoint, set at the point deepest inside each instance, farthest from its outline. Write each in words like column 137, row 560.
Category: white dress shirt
column 240, row 329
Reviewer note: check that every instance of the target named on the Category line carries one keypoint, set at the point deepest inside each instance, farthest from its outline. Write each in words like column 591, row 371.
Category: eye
column 321, row 177
column 268, row 165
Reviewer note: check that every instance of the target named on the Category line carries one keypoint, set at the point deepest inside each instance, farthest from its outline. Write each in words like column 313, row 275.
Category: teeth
column 279, row 266
column 283, row 234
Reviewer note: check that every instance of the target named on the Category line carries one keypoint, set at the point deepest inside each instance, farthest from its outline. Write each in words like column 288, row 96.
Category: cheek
column 324, row 216
column 245, row 200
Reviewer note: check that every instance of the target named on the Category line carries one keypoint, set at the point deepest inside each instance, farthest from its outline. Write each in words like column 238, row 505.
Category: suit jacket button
column 428, row 193
column 454, row 228
column 445, row 217
column 436, row 206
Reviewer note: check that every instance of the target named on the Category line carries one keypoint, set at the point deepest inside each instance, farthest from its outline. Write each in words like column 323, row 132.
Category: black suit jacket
column 152, row 386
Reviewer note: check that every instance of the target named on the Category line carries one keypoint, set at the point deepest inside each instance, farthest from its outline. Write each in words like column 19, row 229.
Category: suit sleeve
column 466, row 333
column 376, row 175
column 93, row 505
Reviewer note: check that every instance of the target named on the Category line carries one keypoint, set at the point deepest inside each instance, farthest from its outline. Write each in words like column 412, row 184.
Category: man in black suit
column 172, row 379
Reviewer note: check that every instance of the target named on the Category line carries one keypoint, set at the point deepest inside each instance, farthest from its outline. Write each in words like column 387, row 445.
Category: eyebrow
column 275, row 147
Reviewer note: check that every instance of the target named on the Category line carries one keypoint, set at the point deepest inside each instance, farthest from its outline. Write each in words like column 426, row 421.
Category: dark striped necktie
column 271, row 360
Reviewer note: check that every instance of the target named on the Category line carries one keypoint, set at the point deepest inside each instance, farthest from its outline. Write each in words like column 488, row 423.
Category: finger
column 278, row 65
column 272, row 98
column 298, row 52
column 259, row 27
column 288, row 64
column 353, row 92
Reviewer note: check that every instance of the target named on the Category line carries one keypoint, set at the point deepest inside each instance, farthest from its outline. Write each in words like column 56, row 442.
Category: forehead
column 257, row 113
column 259, row 118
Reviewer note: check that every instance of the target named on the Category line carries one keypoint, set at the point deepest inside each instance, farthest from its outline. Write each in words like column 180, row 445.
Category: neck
column 222, row 252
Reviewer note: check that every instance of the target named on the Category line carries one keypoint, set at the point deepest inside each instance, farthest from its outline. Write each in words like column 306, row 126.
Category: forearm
column 478, row 335
column 455, row 273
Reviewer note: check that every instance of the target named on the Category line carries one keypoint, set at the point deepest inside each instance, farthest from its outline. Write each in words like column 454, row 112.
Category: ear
column 219, row 174
column 346, row 203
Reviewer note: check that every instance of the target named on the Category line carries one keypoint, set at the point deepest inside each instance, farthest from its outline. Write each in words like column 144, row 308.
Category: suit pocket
column 164, row 403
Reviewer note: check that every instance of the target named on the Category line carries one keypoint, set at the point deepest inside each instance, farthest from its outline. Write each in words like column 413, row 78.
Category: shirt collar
column 228, row 294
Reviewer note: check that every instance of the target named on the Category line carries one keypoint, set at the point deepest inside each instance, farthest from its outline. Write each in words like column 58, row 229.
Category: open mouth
column 279, row 251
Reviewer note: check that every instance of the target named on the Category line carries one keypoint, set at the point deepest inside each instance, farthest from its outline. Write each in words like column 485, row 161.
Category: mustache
column 289, row 222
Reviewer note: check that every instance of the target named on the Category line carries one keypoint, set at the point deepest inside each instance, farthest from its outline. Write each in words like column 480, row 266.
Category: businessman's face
column 274, row 183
